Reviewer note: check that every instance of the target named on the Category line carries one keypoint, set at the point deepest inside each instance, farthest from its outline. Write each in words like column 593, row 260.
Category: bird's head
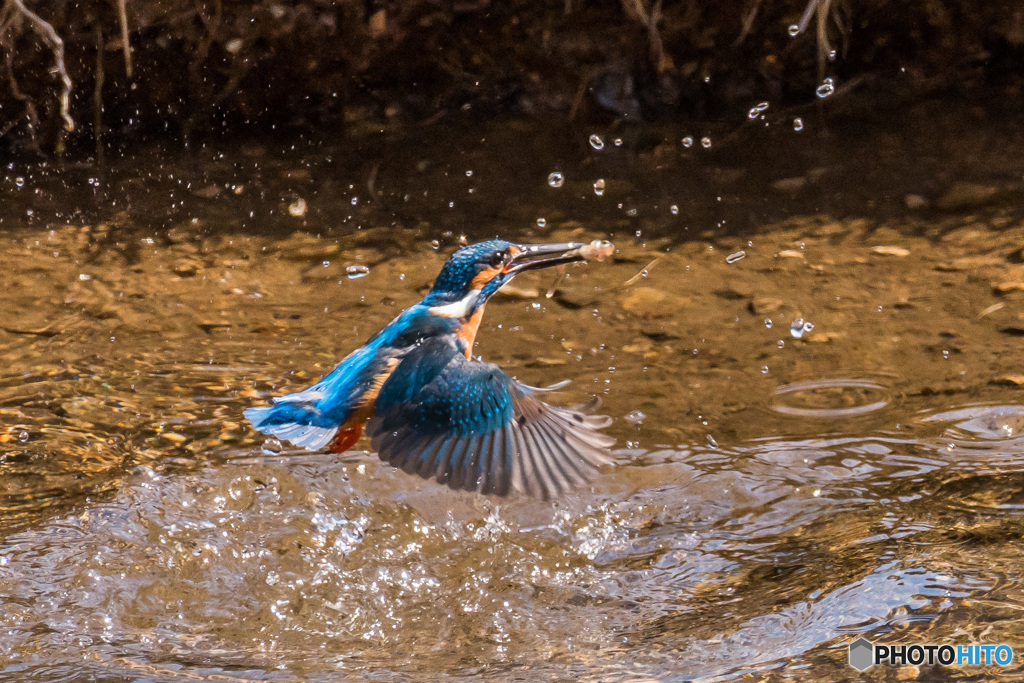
column 474, row 273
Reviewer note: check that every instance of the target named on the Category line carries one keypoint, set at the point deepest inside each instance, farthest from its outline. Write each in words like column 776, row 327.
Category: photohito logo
column 864, row 654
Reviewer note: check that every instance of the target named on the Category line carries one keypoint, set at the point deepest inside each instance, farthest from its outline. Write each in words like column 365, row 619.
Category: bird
column 431, row 408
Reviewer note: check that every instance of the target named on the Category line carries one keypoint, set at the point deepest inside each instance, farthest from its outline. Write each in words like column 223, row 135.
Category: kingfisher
column 431, row 408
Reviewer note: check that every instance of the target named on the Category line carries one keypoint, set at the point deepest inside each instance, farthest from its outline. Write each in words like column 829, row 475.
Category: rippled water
column 773, row 497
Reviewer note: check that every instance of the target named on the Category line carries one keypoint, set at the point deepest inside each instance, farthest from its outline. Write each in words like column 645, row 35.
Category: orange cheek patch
column 485, row 276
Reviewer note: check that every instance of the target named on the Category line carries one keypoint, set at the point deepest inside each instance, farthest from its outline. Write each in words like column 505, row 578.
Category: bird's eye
column 497, row 258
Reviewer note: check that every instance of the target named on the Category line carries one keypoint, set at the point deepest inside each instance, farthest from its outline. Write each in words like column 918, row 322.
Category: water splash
column 356, row 272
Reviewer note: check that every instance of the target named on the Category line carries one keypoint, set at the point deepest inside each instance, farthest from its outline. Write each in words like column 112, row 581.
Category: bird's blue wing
column 472, row 427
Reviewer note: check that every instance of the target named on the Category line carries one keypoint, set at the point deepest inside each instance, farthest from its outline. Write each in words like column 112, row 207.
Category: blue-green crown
column 454, row 280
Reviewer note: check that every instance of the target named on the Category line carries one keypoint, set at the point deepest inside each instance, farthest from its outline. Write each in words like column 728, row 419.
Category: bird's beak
column 532, row 256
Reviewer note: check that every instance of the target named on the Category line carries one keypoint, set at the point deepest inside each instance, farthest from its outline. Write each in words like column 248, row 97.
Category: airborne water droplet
column 596, row 142
column 794, row 30
column 19, row 181
column 756, row 110
column 599, row 187
column 826, row 88
column 711, row 441
column 541, row 222
column 688, row 141
column 733, row 258
column 636, row 417
column 768, row 323
column 705, row 143
column 798, row 124
column 556, row 179
column 617, row 142
column 800, row 327
column 356, row 272
column 674, row 210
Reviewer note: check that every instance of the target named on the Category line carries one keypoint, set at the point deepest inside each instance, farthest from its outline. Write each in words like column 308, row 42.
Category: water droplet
column 355, row 201
column 764, row 369
column 688, row 141
column 800, row 327
column 794, row 30
column 674, row 210
column 826, row 88
column 356, row 272
column 469, row 174
column 272, row 445
column 636, row 417
column 711, row 441
column 84, row 276
column 435, row 244
column 599, row 187
column 556, row 179
column 945, row 354
column 297, row 209
column 782, row 343
column 879, row 309
column 19, row 181
column 798, row 124
column 326, row 264
column 733, row 258
column 23, row 435
column 705, row 143
column 617, row 142
column 541, row 222
column 756, row 110
column 596, row 142
column 768, row 323
column 831, row 55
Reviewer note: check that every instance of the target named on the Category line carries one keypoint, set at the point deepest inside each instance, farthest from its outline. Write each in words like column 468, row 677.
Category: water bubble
column 798, row 124
column 705, row 143
column 688, row 141
column 826, row 88
column 556, row 179
column 764, row 369
column 674, row 210
column 19, row 181
column 636, row 417
column 599, row 187
column 356, row 272
column 757, row 110
column 800, row 327
column 541, row 222
column 733, row 258
column 272, row 445
column 617, row 142
column 768, row 323
column 794, row 30
column 596, row 142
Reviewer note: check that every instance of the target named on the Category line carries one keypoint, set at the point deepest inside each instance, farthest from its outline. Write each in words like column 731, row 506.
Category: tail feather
column 290, row 421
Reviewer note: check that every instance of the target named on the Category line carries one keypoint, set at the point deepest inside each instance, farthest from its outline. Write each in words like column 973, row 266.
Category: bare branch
column 56, row 43
column 122, row 16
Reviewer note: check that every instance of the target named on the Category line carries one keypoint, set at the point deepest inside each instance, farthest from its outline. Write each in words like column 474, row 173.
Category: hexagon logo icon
column 862, row 654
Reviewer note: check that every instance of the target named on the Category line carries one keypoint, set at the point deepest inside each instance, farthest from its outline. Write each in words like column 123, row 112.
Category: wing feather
column 470, row 426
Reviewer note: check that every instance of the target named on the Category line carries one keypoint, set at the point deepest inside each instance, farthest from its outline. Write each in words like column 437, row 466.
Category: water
column 755, row 522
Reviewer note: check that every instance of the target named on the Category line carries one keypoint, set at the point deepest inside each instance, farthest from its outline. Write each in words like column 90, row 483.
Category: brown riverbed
column 779, row 490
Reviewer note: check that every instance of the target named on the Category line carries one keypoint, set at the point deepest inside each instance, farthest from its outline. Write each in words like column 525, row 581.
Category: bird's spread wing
column 473, row 427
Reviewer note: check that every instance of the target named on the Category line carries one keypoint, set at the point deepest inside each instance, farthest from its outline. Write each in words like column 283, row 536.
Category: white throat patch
column 457, row 309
